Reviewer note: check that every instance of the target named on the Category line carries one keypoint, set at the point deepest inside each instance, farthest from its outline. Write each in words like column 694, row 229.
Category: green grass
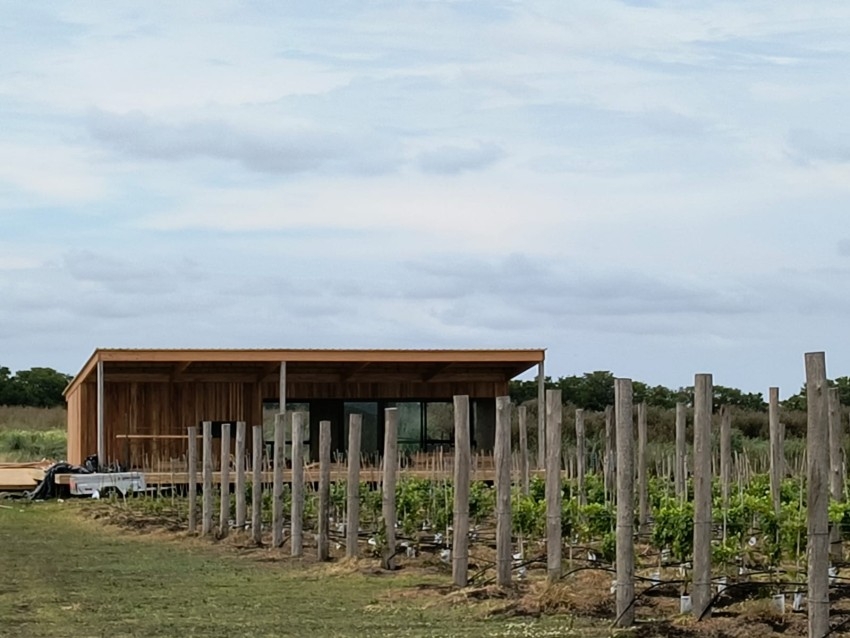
column 63, row 575
column 29, row 445
column 32, row 434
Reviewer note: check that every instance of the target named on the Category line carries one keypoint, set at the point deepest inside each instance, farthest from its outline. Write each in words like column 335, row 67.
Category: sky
column 657, row 189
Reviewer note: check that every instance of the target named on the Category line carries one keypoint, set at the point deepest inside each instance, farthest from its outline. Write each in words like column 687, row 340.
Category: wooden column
column 206, row 524
column 681, row 476
column 101, row 437
column 541, row 416
column 523, row 448
column 776, row 453
column 239, row 456
column 299, row 424
column 817, row 444
column 224, row 484
column 192, row 466
column 388, row 512
column 323, row 550
column 282, row 388
column 502, row 454
column 257, row 485
column 581, row 456
column 625, row 502
column 703, row 398
column 277, row 487
column 460, row 521
column 553, row 484
column 352, row 509
column 642, row 475
column 836, row 469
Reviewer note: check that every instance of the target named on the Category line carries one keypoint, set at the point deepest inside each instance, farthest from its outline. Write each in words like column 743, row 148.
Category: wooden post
column 609, row 462
column 776, row 453
column 817, row 444
column 352, row 509
column 257, row 486
column 643, row 481
column 541, row 416
column 299, row 422
column 703, row 398
column 282, row 388
column 101, row 437
column 192, row 463
column 581, row 456
column 388, row 513
column 523, row 448
column 836, row 470
column 224, row 484
column 323, row 550
column 553, row 484
column 502, row 460
column 625, row 502
column 206, row 524
column 460, row 522
column 277, row 487
column 241, row 505
column 681, row 477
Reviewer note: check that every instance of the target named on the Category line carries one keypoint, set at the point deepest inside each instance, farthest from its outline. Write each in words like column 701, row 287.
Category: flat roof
column 317, row 366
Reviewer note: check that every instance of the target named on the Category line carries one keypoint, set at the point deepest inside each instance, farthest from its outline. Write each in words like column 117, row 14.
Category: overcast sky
column 651, row 188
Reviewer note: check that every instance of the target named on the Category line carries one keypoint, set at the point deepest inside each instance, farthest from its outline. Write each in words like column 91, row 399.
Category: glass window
column 439, row 425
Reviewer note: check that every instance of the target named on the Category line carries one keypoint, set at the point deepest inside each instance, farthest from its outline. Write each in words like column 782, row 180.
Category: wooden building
column 132, row 407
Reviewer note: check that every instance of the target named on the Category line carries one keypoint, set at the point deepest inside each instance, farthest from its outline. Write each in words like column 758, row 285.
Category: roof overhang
column 313, row 366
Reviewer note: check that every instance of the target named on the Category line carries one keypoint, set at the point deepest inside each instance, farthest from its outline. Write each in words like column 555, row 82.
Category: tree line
column 595, row 390
column 36, row 387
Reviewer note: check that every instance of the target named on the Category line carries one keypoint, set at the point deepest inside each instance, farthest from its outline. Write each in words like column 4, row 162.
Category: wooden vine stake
column 553, row 484
column 623, row 408
column 701, row 591
column 503, row 491
column 296, row 509
column 389, row 481
column 460, row 523
column 257, row 485
column 352, row 509
column 817, row 443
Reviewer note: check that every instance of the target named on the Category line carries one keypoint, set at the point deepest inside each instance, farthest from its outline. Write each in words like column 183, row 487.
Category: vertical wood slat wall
column 158, row 408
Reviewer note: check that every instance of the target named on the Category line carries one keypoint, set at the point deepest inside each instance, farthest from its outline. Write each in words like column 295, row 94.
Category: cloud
column 270, row 150
column 807, row 146
column 451, row 160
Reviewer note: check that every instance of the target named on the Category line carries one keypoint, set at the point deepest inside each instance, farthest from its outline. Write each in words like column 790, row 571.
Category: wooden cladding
column 144, row 422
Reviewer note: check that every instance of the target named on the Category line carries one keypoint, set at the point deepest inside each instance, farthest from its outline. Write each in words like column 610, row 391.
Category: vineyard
column 662, row 539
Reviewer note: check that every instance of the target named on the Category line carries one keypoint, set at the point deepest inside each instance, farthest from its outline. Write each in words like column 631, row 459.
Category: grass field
column 62, row 574
column 32, row 434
